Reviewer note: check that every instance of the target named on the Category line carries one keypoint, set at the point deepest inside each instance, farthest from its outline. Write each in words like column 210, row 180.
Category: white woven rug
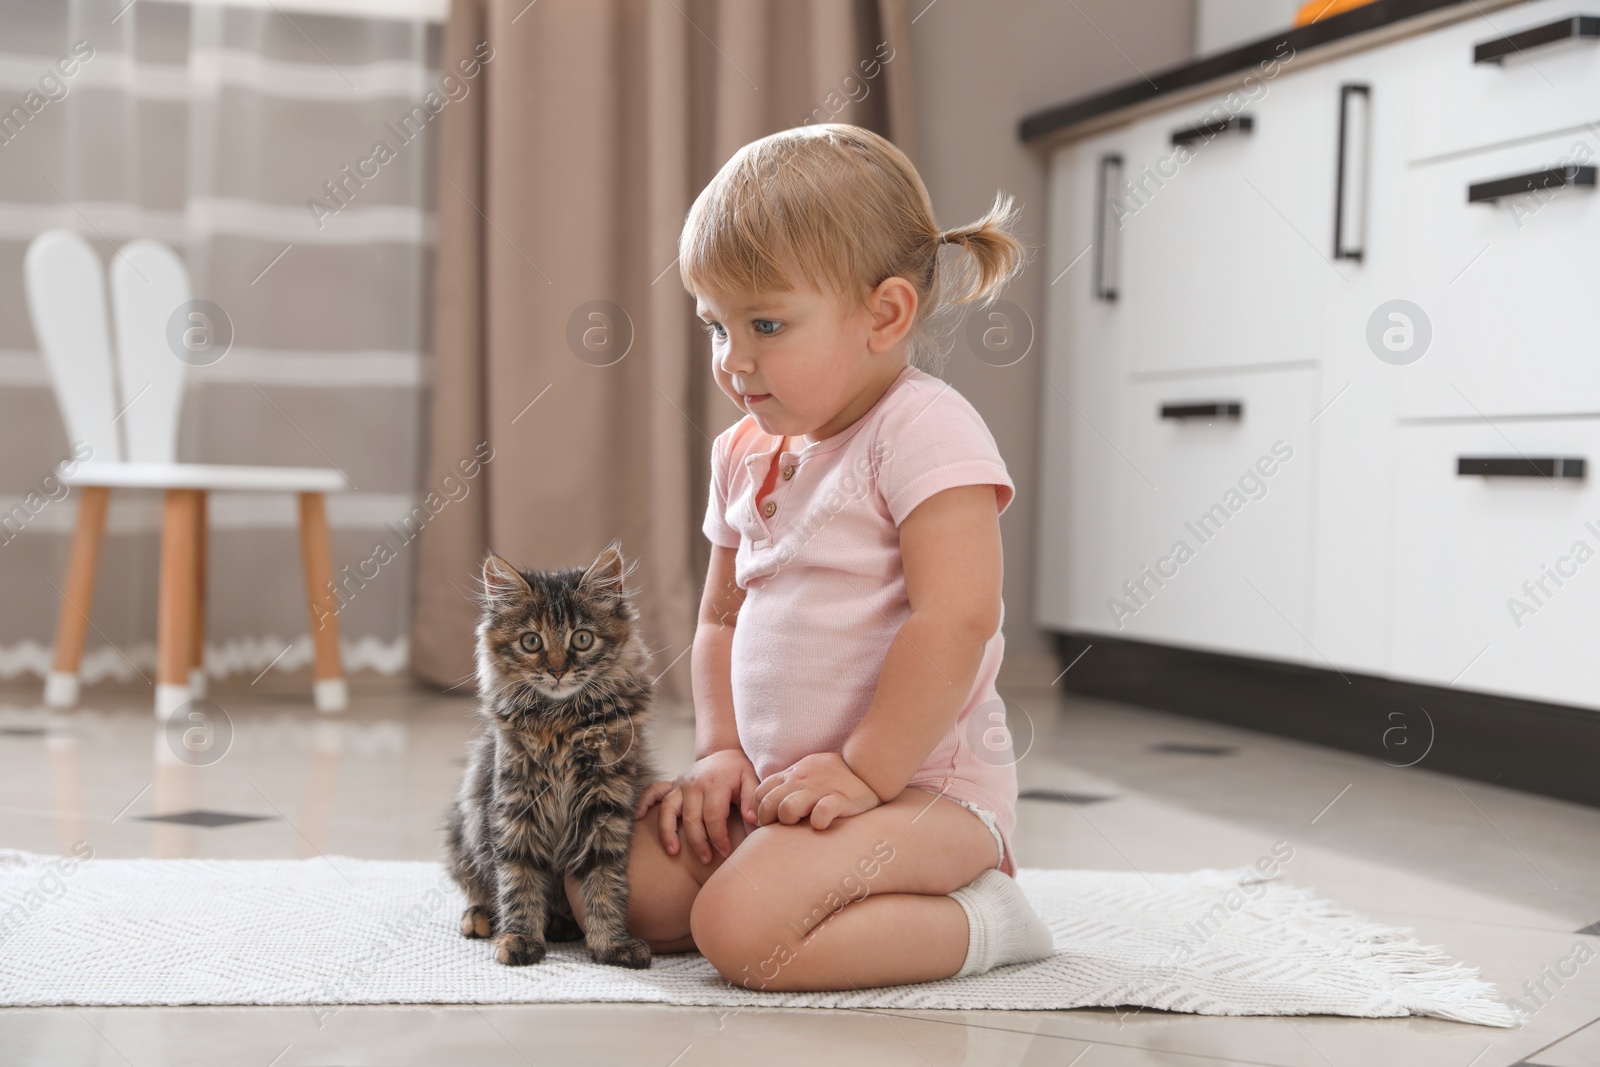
column 349, row 931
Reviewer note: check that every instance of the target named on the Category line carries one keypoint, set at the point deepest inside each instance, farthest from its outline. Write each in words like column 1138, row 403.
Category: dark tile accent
column 1061, row 797
column 1592, row 930
column 208, row 819
column 23, row 731
column 1183, row 748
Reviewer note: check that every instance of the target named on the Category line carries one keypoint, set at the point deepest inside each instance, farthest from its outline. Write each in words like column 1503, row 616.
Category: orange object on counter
column 1317, row 10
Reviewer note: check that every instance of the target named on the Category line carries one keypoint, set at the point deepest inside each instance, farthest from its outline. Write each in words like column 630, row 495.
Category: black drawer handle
column 1218, row 409
column 1521, row 467
column 1554, row 178
column 1353, row 145
column 1574, row 26
column 1208, row 130
column 1107, row 239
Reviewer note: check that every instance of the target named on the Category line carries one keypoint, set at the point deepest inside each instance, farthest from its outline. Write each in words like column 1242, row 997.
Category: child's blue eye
column 760, row 323
column 711, row 328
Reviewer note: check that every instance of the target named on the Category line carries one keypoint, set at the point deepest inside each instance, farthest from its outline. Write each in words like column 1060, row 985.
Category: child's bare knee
column 574, row 897
column 731, row 931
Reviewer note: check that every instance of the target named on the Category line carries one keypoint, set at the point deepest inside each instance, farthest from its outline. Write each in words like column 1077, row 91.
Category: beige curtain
column 564, row 339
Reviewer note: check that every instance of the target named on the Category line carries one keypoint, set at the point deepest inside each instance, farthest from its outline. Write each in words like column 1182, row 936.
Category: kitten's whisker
column 469, row 676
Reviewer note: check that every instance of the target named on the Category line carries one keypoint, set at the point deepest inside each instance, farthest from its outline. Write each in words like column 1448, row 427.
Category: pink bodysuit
column 819, row 560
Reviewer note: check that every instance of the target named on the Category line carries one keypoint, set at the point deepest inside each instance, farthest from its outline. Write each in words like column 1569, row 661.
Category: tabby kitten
column 552, row 781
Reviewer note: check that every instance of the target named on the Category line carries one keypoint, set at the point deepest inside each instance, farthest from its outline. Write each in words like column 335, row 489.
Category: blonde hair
column 844, row 208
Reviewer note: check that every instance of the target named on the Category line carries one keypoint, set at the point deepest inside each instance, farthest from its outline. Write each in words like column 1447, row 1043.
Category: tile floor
column 1503, row 880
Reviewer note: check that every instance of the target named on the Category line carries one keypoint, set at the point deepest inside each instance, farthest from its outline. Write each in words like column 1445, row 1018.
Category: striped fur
column 553, row 778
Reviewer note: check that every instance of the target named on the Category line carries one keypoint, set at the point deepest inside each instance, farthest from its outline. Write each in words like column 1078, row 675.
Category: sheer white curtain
column 247, row 137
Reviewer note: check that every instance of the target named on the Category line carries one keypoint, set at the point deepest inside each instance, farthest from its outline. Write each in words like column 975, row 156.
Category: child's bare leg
column 662, row 888
column 871, row 886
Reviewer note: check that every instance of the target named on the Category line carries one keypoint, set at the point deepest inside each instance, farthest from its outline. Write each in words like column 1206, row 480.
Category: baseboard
column 1027, row 670
column 1521, row 744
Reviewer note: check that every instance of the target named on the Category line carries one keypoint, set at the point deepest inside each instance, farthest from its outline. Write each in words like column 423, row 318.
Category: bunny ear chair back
column 139, row 394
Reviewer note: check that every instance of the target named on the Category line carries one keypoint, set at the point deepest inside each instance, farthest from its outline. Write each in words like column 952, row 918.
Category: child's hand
column 701, row 798
column 820, row 785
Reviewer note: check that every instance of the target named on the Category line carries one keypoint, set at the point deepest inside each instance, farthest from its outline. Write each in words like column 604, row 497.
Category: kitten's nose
column 557, row 672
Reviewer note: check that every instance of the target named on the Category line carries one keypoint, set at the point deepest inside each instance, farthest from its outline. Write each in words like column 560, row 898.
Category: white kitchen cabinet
column 1506, row 285
column 1083, row 365
column 1253, row 274
column 1214, row 535
column 1225, row 257
column 1354, row 419
column 1497, row 579
column 1536, row 87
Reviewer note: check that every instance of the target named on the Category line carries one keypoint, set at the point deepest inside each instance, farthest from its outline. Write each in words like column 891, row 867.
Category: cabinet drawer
column 1226, row 238
column 1497, row 578
column 1213, row 537
column 1506, row 286
column 1537, row 86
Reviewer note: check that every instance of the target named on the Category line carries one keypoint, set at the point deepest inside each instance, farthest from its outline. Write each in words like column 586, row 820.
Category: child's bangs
column 745, row 240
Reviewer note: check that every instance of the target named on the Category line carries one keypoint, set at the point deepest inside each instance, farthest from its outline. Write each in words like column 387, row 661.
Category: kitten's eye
column 582, row 639
column 531, row 642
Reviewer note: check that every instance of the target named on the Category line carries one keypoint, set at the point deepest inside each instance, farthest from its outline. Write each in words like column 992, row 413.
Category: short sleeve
column 936, row 441
column 716, row 526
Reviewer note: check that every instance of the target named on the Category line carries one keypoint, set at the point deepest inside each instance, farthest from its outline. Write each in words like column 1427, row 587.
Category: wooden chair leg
column 72, row 627
column 197, row 655
column 330, row 692
column 175, row 628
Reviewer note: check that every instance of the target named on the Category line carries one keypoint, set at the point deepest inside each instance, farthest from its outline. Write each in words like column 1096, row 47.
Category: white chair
column 67, row 303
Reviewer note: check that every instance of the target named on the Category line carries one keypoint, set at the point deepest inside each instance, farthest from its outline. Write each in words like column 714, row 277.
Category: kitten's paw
column 477, row 922
column 515, row 950
column 562, row 928
column 629, row 952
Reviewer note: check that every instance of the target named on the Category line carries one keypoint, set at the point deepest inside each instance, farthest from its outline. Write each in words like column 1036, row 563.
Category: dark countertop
column 1358, row 20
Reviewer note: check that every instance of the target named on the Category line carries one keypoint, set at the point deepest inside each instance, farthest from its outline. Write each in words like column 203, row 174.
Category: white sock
column 1002, row 926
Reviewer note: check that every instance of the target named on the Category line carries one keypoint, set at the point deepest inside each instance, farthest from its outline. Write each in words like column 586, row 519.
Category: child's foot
column 1003, row 927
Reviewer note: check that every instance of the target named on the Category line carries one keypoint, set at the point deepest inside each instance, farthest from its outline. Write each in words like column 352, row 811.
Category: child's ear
column 502, row 582
column 893, row 304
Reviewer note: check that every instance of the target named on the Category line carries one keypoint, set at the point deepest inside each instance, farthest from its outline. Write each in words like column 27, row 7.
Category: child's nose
column 734, row 360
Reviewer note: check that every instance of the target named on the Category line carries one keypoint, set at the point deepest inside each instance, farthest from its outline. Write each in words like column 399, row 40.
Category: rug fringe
column 1425, row 979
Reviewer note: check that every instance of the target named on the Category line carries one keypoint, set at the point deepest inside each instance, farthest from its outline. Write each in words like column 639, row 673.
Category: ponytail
column 995, row 255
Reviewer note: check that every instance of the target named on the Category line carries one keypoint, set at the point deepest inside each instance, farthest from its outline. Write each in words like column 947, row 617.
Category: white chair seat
column 208, row 476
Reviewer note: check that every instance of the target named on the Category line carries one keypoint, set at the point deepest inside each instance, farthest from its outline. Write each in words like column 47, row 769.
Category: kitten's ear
column 501, row 582
column 605, row 575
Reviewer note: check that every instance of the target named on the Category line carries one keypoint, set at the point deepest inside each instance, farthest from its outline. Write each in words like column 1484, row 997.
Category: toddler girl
column 848, row 815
